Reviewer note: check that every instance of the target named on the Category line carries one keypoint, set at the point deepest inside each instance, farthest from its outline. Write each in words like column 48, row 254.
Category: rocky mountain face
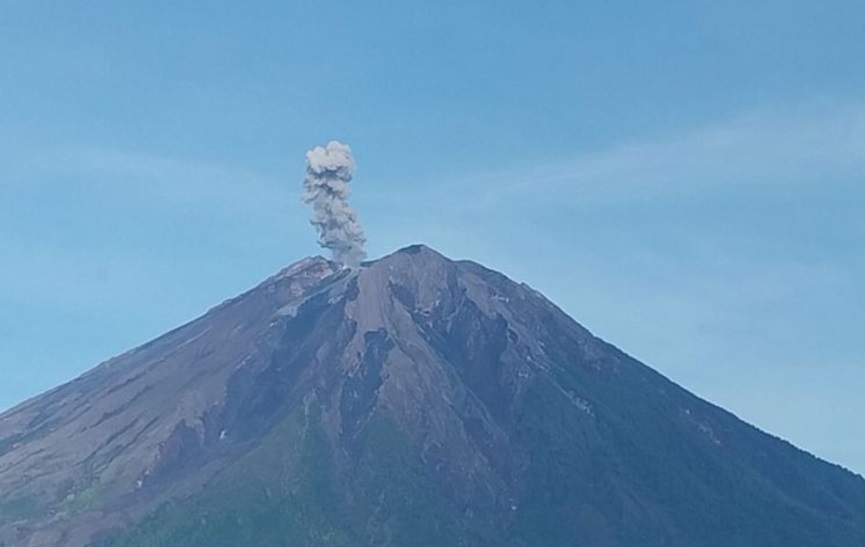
column 414, row 401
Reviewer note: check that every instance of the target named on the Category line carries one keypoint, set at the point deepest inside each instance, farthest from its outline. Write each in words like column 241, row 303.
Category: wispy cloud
column 174, row 179
column 811, row 146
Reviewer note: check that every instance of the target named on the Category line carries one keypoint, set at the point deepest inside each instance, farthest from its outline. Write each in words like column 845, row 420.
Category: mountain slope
column 415, row 401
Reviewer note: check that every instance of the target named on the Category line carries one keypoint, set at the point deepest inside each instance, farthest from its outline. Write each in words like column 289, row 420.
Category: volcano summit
column 412, row 401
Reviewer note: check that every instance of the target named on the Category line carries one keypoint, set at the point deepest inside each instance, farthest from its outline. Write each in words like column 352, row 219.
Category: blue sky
column 685, row 179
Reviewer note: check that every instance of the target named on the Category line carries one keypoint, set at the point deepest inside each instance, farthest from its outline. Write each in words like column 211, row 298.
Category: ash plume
column 328, row 171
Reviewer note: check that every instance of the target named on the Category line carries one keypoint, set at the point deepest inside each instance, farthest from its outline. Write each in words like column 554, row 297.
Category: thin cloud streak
column 761, row 149
column 177, row 180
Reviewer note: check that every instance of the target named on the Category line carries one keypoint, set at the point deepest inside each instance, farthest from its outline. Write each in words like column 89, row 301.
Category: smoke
column 328, row 172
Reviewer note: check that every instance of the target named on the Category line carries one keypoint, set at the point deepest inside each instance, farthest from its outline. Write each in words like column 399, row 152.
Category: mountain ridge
column 506, row 423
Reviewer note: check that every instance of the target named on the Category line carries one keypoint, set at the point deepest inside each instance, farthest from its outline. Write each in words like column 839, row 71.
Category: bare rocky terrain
column 413, row 401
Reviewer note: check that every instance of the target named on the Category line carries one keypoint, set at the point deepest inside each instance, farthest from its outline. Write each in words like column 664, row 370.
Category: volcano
column 413, row 401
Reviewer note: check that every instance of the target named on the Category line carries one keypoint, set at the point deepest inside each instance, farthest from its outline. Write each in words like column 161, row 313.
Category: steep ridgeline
column 414, row 401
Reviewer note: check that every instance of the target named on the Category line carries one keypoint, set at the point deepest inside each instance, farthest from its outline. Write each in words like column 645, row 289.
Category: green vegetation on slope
column 290, row 491
column 279, row 494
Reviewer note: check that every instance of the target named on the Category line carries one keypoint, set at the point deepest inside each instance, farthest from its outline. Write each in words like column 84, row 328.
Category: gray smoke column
column 328, row 171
